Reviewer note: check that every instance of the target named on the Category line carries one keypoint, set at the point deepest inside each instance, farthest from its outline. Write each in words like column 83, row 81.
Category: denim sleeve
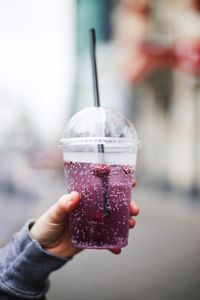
column 25, row 266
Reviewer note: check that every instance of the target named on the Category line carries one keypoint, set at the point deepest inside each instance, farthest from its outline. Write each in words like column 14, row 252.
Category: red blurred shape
column 196, row 5
column 188, row 57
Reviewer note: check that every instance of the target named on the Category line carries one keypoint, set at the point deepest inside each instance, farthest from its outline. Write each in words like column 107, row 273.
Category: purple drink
column 90, row 226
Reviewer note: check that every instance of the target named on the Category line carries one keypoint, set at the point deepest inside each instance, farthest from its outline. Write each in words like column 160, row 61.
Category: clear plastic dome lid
column 97, row 125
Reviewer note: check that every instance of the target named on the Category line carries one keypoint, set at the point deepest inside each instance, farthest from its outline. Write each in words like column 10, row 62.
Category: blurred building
column 159, row 43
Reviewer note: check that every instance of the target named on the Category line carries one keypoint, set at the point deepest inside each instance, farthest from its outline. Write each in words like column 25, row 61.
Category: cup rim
column 111, row 141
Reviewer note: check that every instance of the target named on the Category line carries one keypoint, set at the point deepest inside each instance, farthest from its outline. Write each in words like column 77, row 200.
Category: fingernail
column 132, row 223
column 137, row 210
column 69, row 198
column 74, row 193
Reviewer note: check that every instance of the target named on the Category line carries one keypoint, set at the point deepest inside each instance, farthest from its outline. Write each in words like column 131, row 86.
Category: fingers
column 116, row 251
column 65, row 205
column 133, row 183
column 134, row 209
column 131, row 223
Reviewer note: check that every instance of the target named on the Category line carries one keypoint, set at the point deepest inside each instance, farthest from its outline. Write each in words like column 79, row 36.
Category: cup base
column 103, row 247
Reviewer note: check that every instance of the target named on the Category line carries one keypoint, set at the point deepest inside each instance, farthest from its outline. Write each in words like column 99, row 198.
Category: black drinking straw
column 94, row 67
column 92, row 36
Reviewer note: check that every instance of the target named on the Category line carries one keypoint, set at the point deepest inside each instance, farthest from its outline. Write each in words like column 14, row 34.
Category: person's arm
column 26, row 263
column 25, row 266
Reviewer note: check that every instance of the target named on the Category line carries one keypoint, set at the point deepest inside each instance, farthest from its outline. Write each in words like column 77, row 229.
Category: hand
column 51, row 230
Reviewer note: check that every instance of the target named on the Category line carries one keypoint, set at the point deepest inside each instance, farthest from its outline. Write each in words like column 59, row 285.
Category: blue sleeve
column 25, row 266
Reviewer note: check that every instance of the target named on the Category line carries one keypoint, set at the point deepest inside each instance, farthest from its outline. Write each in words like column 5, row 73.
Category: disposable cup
column 100, row 152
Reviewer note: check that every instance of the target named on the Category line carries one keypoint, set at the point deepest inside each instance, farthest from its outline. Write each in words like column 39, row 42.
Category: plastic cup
column 100, row 151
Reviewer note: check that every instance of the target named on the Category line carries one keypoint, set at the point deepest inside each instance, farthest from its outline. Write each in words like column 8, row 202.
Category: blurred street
column 161, row 262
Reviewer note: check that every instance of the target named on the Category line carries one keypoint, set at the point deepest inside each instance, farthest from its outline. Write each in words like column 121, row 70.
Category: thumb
column 65, row 205
column 49, row 226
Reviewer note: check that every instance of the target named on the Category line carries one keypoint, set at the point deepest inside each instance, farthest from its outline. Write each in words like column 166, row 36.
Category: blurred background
column 149, row 70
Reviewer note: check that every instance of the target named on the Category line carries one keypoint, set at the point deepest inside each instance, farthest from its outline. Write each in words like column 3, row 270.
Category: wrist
column 60, row 249
column 65, row 252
